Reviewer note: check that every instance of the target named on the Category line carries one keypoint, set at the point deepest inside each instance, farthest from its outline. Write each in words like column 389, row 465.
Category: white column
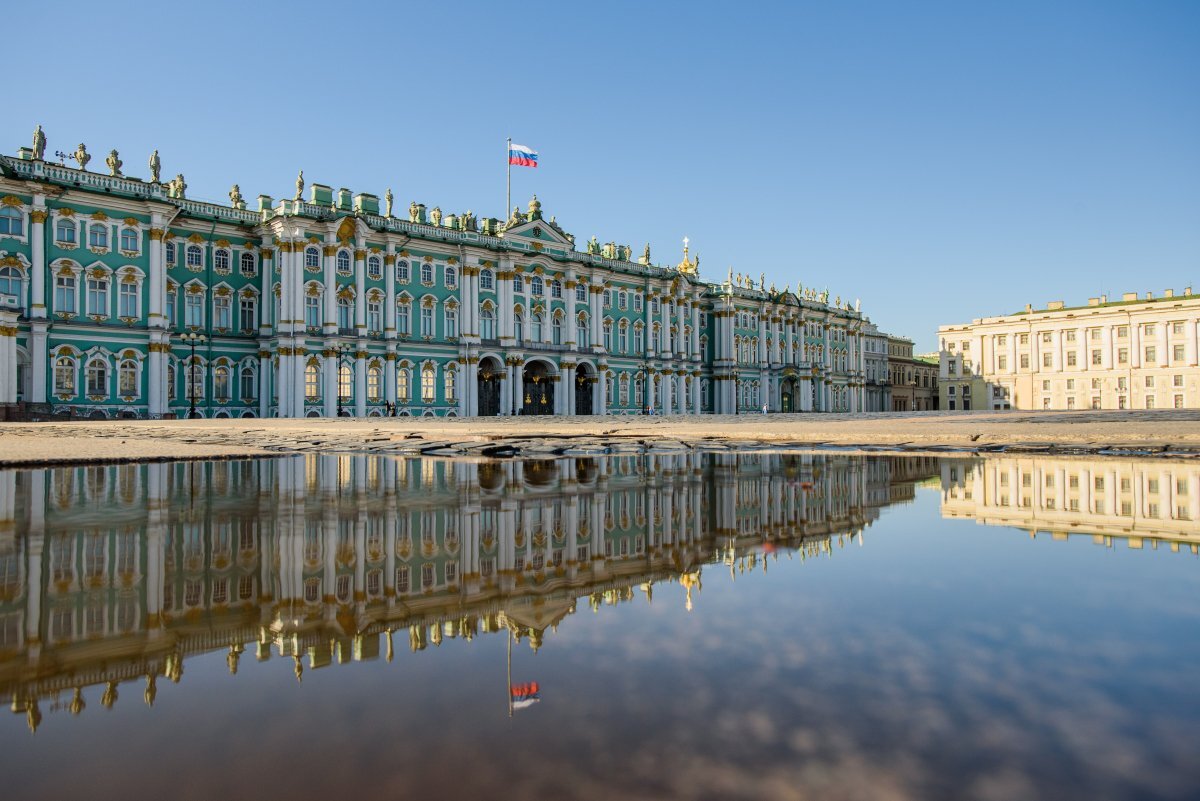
column 37, row 244
column 564, row 399
column 360, row 382
column 1106, row 347
column 1189, row 352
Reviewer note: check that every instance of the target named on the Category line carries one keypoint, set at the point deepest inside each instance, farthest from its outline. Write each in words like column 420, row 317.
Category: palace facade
column 1132, row 353
column 123, row 297
column 112, row 576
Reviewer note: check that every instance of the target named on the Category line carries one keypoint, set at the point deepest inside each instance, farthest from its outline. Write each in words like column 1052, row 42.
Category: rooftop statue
column 593, row 245
column 155, row 167
column 413, row 212
column 516, row 218
column 82, row 156
column 235, row 196
column 469, row 223
column 178, row 187
column 646, row 254
column 535, row 209
column 857, row 304
column 762, row 280
column 39, row 144
column 435, row 216
column 114, row 163
column 387, row 199
column 300, row 185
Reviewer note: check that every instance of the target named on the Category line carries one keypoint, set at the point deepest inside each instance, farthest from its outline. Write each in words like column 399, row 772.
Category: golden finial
column 110, row 695
column 151, row 689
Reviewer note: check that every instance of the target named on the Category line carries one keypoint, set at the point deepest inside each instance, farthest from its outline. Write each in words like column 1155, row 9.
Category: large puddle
column 758, row 625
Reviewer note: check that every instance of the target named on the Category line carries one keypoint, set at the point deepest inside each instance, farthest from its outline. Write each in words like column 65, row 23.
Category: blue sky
column 940, row 161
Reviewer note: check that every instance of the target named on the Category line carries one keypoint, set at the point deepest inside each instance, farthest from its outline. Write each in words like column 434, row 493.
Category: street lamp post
column 645, row 371
column 192, row 339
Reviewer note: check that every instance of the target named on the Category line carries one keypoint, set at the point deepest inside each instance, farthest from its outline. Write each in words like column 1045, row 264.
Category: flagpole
column 508, row 195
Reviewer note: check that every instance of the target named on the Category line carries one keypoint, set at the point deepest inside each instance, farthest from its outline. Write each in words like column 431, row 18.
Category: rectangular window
column 127, row 300
column 193, row 310
column 1149, row 401
column 1097, row 357
column 402, row 320
column 1122, row 355
column 1024, row 361
column 581, row 293
column 1047, row 360
column 97, row 296
column 221, row 312
column 1177, row 353
column 426, row 322
column 1071, row 359
column 1002, row 362
column 1178, row 401
column 1151, row 354
column 375, row 316
column 247, row 323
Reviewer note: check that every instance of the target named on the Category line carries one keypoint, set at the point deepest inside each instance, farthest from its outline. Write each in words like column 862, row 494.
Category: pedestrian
column 764, row 408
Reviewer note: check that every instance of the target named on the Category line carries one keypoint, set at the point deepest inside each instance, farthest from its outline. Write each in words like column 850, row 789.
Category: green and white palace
column 122, row 297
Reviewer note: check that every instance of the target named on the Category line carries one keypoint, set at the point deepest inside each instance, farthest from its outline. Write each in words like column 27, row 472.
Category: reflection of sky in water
column 939, row 660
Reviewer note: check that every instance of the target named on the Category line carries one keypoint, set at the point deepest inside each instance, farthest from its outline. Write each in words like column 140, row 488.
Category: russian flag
column 525, row 695
column 522, row 156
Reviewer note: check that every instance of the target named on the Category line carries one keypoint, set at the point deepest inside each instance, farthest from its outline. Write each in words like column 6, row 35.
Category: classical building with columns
column 124, row 297
column 1132, row 353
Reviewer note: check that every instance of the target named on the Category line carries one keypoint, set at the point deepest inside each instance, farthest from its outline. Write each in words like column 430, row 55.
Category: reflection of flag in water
column 524, row 695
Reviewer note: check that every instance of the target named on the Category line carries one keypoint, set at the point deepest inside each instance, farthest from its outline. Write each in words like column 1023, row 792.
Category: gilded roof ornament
column 688, row 266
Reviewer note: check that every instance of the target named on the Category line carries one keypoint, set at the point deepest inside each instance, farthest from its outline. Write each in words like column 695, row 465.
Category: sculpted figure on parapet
column 155, row 167
column 39, row 144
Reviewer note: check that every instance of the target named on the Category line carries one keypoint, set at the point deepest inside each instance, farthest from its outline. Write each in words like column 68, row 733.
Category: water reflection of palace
column 114, row 574
column 1141, row 501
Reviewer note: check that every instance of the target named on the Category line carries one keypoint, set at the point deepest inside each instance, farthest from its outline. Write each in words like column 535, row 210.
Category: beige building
column 913, row 378
column 1134, row 353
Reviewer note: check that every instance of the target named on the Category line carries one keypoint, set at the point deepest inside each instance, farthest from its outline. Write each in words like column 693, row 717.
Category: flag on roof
column 522, row 156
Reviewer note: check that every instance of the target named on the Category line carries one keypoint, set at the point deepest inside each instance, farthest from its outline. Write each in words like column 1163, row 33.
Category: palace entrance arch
column 491, row 371
column 585, row 387
column 537, row 389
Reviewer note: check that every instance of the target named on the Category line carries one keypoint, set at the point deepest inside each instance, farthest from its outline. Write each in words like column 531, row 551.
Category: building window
column 127, row 300
column 1002, row 362
column 450, row 277
column 487, row 324
column 375, row 316
column 427, row 322
column 193, row 310
column 556, row 288
column 374, row 268
column 248, row 267
column 1178, row 401
column 428, row 383
column 345, row 381
column 1177, row 353
column 64, row 376
column 247, row 321
column 222, row 312
column 129, row 240
column 403, row 385
column 427, row 274
column 221, row 384
column 581, row 293
column 1151, row 354
column 98, row 236
column 97, row 296
column 451, row 385
column 402, row 272
column 556, row 333
column 250, row 384
column 127, row 378
column 536, row 325
column 345, row 310
column 519, row 326
column 1149, row 401
column 1047, row 360
column 343, row 262
column 486, row 279
column 1071, row 357
column 402, row 320
column 518, row 284
column 537, row 289
column 64, row 232
column 581, row 332
column 312, row 258
column 222, row 263
column 312, row 383
column 97, row 377
column 451, row 322
column 374, row 384
column 1122, row 355
column 194, row 256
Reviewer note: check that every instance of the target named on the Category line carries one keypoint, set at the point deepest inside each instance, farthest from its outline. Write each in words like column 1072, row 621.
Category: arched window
column 345, row 307
column 64, row 376
column 97, row 377
column 639, row 340
column 249, row 383
column 487, row 323
column 375, row 316
column 98, row 236
column 195, row 375
column 127, row 378
column 486, row 279
column 221, row 383
column 11, row 283
column 374, row 384
column 581, row 330
column 222, row 262
column 608, row 330
column 343, row 261
column 519, row 326
column 537, row 327
column 403, row 320
column 451, row 322
column 451, row 277
column 64, row 231
column 345, row 381
column 312, row 383
column 402, row 274
column 556, row 288
column 194, row 256
column 129, row 240
column 428, row 383
column 403, row 385
column 312, row 258
column 427, row 274
column 12, row 222
column 427, row 321
column 170, row 382
column 556, row 330
column 248, row 267
column 581, row 293
column 538, row 289
column 451, row 385
column 518, row 283
column 623, row 337
column 170, row 253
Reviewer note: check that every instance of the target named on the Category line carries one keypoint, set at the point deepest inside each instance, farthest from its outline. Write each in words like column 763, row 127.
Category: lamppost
column 644, row 372
column 192, row 339
column 339, row 349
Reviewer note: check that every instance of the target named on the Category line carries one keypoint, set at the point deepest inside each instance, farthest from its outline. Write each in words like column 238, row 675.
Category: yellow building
column 1134, row 353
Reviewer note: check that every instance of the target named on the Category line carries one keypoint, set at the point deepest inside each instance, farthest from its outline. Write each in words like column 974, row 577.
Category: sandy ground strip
column 1169, row 432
